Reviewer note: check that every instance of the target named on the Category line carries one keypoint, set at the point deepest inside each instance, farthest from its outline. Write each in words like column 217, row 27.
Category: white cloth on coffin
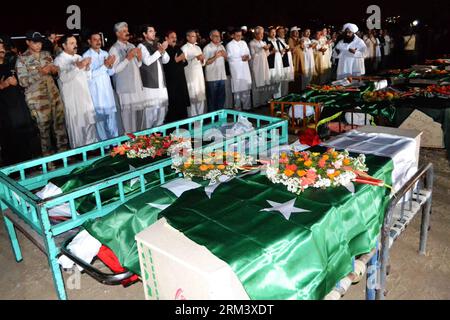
column 401, row 150
column 83, row 246
column 297, row 111
column 51, row 190
column 359, row 118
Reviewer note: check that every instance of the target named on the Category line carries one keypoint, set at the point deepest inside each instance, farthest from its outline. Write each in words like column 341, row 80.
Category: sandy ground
column 412, row 276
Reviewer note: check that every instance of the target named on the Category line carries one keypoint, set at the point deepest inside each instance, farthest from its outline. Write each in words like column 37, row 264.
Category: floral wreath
column 299, row 171
column 152, row 146
column 211, row 166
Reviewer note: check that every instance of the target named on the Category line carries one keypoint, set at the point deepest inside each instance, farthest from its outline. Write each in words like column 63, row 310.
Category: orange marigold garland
column 152, row 146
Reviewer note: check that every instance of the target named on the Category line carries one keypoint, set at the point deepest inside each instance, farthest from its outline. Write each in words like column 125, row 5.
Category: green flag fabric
column 335, row 102
column 104, row 168
column 274, row 257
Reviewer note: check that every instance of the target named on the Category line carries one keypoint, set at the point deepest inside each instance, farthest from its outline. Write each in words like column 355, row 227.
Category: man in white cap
column 246, row 35
column 351, row 52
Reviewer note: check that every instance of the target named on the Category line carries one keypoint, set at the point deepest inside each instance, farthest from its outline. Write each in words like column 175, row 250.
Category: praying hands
column 109, row 61
column 83, row 64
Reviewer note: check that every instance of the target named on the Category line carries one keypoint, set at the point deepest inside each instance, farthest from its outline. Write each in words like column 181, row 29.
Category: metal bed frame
column 23, row 210
column 295, row 124
column 414, row 197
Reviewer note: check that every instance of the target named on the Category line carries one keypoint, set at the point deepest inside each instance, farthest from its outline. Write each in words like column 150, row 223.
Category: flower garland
column 395, row 72
column 435, row 91
column 382, row 95
column 439, row 72
column 212, row 166
column 152, row 146
column 437, row 62
column 302, row 170
column 328, row 88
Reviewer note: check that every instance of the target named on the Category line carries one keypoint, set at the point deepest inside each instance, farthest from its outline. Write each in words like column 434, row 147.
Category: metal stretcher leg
column 426, row 211
column 384, row 257
column 13, row 238
column 372, row 277
column 52, row 254
column 58, row 280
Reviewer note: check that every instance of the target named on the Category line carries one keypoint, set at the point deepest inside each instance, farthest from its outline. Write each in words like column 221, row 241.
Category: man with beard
column 101, row 89
column 351, row 52
column 179, row 100
column 34, row 71
column 73, row 84
column 286, row 57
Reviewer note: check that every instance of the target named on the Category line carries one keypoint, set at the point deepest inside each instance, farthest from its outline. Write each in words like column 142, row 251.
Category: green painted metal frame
column 19, row 198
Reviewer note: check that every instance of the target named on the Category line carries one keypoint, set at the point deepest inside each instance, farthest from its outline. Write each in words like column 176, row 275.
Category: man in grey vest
column 127, row 80
column 154, row 55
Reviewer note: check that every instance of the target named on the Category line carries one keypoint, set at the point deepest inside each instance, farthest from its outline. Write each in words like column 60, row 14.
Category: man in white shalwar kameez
column 286, row 58
column 241, row 78
column 74, row 88
column 194, row 74
column 101, row 89
column 154, row 55
column 275, row 60
column 308, row 65
column 322, row 57
column 262, row 89
column 127, row 80
column 351, row 52
column 373, row 52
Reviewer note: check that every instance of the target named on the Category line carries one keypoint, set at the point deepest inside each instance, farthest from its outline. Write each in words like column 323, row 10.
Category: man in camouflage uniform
column 34, row 71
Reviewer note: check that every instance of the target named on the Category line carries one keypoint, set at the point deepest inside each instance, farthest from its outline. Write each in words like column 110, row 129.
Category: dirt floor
column 412, row 276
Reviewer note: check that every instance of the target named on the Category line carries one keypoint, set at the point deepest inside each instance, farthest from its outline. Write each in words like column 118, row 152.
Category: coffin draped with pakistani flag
column 280, row 246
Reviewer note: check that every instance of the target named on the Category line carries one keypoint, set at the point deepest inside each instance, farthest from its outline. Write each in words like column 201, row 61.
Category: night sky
column 204, row 15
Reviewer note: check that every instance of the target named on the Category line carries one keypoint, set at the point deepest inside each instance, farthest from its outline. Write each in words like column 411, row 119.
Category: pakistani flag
column 104, row 168
column 336, row 101
column 280, row 246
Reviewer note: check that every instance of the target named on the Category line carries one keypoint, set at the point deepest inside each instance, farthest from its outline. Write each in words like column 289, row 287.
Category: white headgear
column 350, row 26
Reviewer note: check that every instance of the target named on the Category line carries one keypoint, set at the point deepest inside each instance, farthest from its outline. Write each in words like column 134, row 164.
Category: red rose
column 309, row 137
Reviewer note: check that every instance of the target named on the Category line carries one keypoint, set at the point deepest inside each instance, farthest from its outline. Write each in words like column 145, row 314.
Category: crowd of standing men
column 156, row 82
